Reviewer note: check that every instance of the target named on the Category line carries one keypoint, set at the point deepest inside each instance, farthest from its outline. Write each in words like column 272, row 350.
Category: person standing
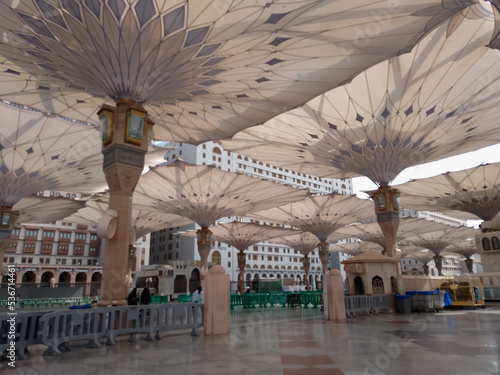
column 133, row 298
column 145, row 297
column 17, row 302
column 196, row 295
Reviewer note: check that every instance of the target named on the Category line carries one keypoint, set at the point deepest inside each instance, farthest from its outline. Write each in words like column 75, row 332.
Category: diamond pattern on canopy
column 441, row 99
column 40, row 152
column 371, row 231
column 205, row 69
column 321, row 214
column 35, row 209
column 144, row 219
column 205, row 194
column 470, row 194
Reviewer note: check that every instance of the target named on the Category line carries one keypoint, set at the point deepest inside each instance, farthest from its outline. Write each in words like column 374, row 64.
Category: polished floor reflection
column 298, row 341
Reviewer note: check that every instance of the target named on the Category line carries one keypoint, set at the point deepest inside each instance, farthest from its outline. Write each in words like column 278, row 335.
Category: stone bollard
column 217, row 302
column 336, row 299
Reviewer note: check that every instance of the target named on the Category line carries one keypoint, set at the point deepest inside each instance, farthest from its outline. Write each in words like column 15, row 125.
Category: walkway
column 288, row 342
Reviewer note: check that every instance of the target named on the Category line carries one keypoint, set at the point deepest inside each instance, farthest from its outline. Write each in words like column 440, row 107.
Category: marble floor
column 298, row 341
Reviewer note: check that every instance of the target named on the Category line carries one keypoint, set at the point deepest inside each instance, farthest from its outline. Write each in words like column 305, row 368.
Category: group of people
column 133, row 297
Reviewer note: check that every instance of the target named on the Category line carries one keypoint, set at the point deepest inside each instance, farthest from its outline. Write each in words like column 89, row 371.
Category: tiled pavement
column 299, row 341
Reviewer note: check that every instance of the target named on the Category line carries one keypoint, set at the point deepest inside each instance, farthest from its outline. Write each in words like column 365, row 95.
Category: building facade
column 265, row 260
column 60, row 252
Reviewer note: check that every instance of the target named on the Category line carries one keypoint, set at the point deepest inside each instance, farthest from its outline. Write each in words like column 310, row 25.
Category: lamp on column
column 8, row 217
column 135, row 127
column 106, row 116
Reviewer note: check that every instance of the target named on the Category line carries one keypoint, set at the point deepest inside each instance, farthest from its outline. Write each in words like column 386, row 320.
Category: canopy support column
column 241, row 266
column 438, row 260
column 204, row 247
column 124, row 137
column 387, row 209
column 324, row 256
column 307, row 266
column 426, row 270
column 468, row 263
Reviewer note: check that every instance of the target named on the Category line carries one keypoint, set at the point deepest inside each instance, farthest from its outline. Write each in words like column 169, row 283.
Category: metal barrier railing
column 380, row 302
column 26, row 331
column 367, row 304
column 57, row 329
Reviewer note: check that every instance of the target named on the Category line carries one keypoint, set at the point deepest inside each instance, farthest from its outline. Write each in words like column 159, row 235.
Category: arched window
column 377, row 285
column 495, row 244
column 217, row 151
column 486, row 244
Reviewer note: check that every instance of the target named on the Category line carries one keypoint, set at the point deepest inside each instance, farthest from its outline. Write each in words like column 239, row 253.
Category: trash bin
column 403, row 303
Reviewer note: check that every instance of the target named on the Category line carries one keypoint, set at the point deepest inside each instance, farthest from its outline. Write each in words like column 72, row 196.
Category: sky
column 468, row 160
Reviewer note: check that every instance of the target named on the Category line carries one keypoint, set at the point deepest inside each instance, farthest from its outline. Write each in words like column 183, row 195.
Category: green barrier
column 235, row 300
column 277, row 298
column 159, row 300
column 248, row 301
column 261, row 299
column 185, row 298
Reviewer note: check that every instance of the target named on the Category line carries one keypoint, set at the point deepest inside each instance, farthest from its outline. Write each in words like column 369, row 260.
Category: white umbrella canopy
column 39, row 152
column 466, row 248
column 242, row 235
column 423, row 256
column 205, row 70
column 206, row 194
column 43, row 153
column 144, row 219
column 469, row 194
column 441, row 240
column 44, row 210
column 356, row 248
column 321, row 214
column 373, row 233
column 439, row 100
column 303, row 242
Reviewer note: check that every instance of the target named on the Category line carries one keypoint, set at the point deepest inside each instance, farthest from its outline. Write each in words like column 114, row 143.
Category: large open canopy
column 35, row 209
column 206, row 194
column 469, row 194
column 320, row 214
column 441, row 99
column 356, row 247
column 371, row 231
column 242, row 235
column 38, row 153
column 144, row 219
column 441, row 240
column 204, row 69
